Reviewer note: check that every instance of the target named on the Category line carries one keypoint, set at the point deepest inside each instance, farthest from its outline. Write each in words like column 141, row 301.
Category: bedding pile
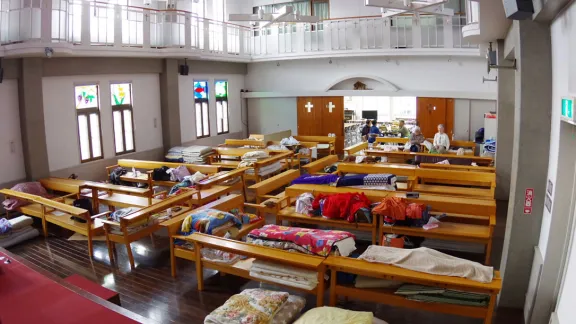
column 175, row 155
column 333, row 315
column 33, row 188
column 251, row 306
column 429, row 261
column 196, row 154
column 440, row 295
column 368, row 181
column 284, row 275
column 16, row 230
column 210, row 221
column 304, row 240
column 266, row 170
column 248, row 159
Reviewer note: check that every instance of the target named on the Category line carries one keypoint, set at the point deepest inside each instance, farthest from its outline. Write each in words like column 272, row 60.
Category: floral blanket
column 208, row 221
column 252, row 306
column 319, row 242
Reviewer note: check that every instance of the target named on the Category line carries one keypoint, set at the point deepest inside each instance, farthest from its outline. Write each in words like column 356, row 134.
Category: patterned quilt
column 208, row 221
column 366, row 180
column 251, row 306
column 319, row 242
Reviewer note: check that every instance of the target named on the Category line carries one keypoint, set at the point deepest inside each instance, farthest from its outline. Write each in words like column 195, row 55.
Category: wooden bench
column 387, row 296
column 296, row 159
column 458, row 167
column 254, row 172
column 327, row 140
column 262, row 188
column 392, row 140
column 241, row 268
column 173, row 226
column 484, row 182
column 425, row 157
column 243, row 142
column 229, row 157
column 351, row 150
column 468, row 219
column 60, row 214
column 319, row 165
column 127, row 230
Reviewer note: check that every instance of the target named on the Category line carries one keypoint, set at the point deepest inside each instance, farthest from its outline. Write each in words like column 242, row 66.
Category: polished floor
column 150, row 291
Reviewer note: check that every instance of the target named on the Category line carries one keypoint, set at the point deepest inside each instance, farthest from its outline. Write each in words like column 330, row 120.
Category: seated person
column 441, row 140
column 374, row 132
column 365, row 130
column 416, row 139
column 404, row 132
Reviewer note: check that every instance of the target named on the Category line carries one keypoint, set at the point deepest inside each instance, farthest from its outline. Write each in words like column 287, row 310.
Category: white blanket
column 346, row 246
column 20, row 222
column 282, row 280
column 19, row 236
column 429, row 261
column 282, row 270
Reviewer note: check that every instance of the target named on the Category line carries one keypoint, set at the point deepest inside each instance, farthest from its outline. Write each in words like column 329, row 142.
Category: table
column 29, row 294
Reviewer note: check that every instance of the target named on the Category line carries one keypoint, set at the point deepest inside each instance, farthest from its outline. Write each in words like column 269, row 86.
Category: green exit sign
column 568, row 108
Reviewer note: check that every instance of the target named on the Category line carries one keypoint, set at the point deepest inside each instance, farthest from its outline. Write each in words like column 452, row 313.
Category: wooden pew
column 484, row 182
column 351, row 150
column 254, row 252
column 319, row 165
column 392, row 140
column 254, row 173
column 243, row 142
column 295, row 160
column 173, row 226
column 229, row 157
column 327, row 140
column 457, row 167
column 469, row 219
column 387, row 296
column 127, row 230
column 261, row 189
column 50, row 211
column 453, row 158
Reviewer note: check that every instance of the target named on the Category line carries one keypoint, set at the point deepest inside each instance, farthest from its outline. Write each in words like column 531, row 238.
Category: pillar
column 533, row 97
column 170, row 104
column 32, row 119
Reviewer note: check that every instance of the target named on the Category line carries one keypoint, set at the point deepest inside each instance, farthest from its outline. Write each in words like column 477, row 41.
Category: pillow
column 290, row 310
column 333, row 315
column 180, row 172
column 205, row 221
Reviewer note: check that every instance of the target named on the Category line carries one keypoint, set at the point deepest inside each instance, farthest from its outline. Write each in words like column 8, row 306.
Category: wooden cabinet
column 320, row 116
column 434, row 111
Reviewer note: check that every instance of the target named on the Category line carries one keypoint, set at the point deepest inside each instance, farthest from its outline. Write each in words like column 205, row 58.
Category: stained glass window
column 201, row 89
column 201, row 107
column 121, row 94
column 122, row 118
column 86, row 96
column 88, row 117
column 222, row 113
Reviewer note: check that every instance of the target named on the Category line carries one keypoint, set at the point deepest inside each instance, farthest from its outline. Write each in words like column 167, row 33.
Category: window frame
column 225, row 99
column 87, row 112
column 201, row 101
column 121, row 109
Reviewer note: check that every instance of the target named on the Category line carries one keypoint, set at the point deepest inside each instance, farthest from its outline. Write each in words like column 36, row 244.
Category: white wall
column 60, row 115
column 351, row 8
column 469, row 117
column 415, row 76
column 187, row 115
column 12, row 161
column 270, row 115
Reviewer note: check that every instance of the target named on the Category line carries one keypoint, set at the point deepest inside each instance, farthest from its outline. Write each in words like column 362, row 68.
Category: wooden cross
column 309, row 106
column 330, row 106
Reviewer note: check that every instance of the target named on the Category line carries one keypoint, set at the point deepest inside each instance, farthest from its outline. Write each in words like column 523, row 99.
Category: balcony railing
column 90, row 23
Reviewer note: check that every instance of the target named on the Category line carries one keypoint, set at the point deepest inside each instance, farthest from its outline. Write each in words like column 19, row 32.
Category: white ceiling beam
column 282, row 12
column 414, row 6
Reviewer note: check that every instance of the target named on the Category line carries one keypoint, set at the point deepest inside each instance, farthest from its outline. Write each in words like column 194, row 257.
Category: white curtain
column 321, row 10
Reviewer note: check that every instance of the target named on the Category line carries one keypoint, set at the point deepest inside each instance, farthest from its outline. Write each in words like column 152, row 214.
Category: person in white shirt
column 441, row 140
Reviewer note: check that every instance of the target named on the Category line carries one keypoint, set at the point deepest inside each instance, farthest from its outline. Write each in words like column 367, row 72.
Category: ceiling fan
column 284, row 14
column 392, row 8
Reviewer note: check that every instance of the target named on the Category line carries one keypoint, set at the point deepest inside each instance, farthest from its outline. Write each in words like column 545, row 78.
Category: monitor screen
column 369, row 114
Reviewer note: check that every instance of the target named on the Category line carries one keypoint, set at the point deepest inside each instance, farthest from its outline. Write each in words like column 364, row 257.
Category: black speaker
column 1, row 74
column 183, row 69
column 518, row 9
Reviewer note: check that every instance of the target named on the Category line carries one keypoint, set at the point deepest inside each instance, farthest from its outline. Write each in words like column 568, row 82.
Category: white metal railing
column 93, row 23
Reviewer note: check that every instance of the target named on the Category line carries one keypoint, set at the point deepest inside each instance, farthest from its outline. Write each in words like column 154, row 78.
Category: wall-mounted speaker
column 183, row 69
column 518, row 9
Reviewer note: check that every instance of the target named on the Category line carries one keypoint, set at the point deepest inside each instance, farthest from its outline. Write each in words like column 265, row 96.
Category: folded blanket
column 366, row 180
column 315, row 179
column 284, row 270
column 429, row 261
column 19, row 236
column 333, row 315
column 283, row 281
column 266, row 170
column 21, row 222
column 251, row 306
column 258, row 155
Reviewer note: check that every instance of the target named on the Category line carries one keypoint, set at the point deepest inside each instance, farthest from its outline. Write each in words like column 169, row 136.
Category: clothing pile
column 196, row 154
column 285, row 275
column 33, row 188
column 289, row 141
column 187, row 182
column 175, row 154
column 379, row 181
column 304, row 240
column 278, row 148
column 429, row 261
column 397, row 211
column 16, row 230
column 341, row 206
column 440, row 295
column 248, row 159
column 255, row 306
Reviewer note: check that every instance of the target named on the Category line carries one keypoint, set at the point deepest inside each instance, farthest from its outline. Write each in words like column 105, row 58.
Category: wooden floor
column 150, row 291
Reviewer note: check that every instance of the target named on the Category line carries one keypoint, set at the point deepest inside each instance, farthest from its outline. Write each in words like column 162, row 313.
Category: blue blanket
column 316, row 179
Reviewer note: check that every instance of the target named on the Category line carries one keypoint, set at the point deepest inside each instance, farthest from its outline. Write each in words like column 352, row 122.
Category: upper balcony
column 89, row 28
column 485, row 21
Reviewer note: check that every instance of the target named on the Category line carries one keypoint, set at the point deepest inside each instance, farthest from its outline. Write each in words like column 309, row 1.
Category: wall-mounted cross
column 330, row 106
column 309, row 106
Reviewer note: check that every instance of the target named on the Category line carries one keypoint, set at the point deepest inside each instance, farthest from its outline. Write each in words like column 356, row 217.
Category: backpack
column 161, row 174
column 83, row 203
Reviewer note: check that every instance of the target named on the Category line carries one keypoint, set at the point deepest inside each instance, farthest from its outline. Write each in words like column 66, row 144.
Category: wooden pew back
column 457, row 167
column 319, row 165
column 318, row 139
column 464, row 144
column 264, row 187
column 478, row 179
column 235, row 151
column 151, row 165
column 392, row 140
column 351, row 150
column 181, row 199
column 244, row 142
column 73, row 211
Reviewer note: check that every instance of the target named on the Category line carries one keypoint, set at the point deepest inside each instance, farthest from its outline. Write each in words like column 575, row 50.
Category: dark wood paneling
column 333, row 122
column 309, row 122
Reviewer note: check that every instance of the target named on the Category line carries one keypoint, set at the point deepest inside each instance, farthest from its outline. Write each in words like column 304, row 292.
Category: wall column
column 532, row 123
column 32, row 119
column 505, row 109
column 170, row 101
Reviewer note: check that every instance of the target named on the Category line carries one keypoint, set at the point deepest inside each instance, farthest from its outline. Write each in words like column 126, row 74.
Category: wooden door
column 309, row 110
column 333, row 120
column 434, row 111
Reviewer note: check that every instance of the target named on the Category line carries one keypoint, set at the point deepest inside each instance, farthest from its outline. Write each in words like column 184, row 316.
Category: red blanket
column 319, row 242
column 341, row 206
